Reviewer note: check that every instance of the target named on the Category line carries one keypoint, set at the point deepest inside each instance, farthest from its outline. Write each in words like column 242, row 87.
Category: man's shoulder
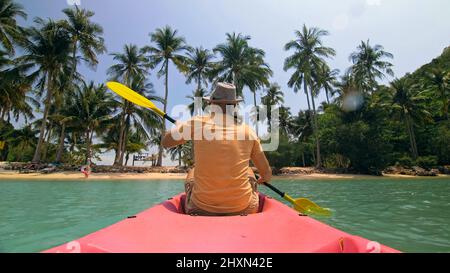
column 248, row 131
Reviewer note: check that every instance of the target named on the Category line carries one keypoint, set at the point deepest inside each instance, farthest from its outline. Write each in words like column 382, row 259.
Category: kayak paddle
column 136, row 98
column 302, row 205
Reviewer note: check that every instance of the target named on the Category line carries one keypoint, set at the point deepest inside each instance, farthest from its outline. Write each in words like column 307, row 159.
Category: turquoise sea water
column 411, row 215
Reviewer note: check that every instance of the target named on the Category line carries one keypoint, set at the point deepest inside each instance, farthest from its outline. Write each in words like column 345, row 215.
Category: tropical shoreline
column 15, row 175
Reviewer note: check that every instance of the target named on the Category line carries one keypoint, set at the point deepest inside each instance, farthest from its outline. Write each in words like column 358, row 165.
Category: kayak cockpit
column 179, row 207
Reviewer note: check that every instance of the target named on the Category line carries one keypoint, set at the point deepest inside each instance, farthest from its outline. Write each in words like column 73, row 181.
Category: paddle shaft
column 169, row 118
column 282, row 194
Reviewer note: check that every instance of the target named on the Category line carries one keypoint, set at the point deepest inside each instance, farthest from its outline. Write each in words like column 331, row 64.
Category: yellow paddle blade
column 308, row 207
column 133, row 96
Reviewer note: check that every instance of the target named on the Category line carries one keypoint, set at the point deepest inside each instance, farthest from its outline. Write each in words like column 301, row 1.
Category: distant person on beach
column 222, row 182
column 86, row 170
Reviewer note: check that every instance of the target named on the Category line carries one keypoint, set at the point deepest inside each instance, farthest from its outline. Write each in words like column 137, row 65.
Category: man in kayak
column 222, row 182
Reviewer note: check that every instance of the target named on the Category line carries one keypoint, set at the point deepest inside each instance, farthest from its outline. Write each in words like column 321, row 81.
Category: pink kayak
column 164, row 228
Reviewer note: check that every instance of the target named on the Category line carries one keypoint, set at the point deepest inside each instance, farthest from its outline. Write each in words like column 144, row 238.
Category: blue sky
column 415, row 31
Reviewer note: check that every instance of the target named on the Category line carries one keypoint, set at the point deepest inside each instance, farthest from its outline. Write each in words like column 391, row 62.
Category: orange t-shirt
column 223, row 151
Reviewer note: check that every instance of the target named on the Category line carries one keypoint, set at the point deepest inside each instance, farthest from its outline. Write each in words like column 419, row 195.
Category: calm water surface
column 411, row 215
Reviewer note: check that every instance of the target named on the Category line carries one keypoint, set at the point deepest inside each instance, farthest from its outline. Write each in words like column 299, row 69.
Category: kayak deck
column 165, row 229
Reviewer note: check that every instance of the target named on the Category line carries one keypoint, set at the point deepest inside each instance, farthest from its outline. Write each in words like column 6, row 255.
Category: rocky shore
column 51, row 168
column 392, row 170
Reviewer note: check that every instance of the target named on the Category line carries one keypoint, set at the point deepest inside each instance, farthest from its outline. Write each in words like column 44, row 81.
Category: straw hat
column 224, row 93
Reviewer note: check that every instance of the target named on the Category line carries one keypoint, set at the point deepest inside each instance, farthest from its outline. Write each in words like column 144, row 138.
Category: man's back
column 223, row 151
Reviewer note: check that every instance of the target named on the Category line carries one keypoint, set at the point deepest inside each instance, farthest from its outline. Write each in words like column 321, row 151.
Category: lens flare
column 352, row 101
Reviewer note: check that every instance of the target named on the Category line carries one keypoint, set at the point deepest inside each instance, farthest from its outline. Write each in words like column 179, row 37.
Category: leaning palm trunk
column 124, row 140
column 326, row 94
column 315, row 127
column 73, row 143
column 62, row 135
column 60, row 151
column 412, row 137
column 88, row 147
column 163, row 129
column 47, row 142
column 118, row 159
column 316, row 134
column 89, row 136
column 127, row 156
column 310, row 114
column 119, row 143
column 313, row 153
column 37, row 152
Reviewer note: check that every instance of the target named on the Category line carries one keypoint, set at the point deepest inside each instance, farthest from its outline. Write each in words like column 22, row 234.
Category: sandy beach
column 14, row 175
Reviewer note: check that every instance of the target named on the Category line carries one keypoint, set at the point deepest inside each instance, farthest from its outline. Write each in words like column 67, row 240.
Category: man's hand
column 262, row 180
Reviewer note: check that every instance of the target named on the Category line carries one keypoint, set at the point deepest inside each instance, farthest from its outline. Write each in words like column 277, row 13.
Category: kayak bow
column 165, row 228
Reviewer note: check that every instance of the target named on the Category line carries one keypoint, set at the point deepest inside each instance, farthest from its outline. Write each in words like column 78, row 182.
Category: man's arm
column 260, row 161
column 176, row 136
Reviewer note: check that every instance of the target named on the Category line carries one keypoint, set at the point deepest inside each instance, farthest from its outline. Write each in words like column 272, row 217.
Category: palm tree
column 47, row 51
column 14, row 87
column 257, row 79
column 437, row 81
column 136, row 143
column 285, row 120
column 176, row 152
column 86, row 35
column 241, row 64
column 302, row 129
column 308, row 57
column 369, row 65
column 10, row 32
column 182, row 152
column 24, row 139
column 110, row 139
column 327, row 80
column 6, row 130
column 92, row 107
column 168, row 48
column 130, row 64
column 139, row 120
column 64, row 120
column 345, row 85
column 273, row 96
column 199, row 65
column 410, row 106
column 198, row 93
